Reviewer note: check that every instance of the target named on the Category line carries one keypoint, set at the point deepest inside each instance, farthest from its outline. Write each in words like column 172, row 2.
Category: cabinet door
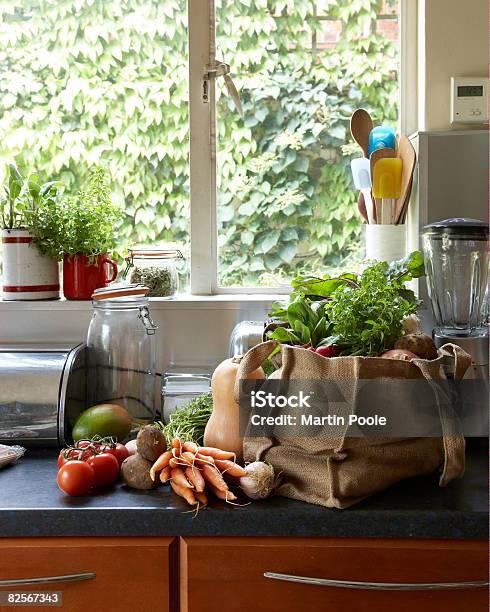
column 228, row 574
column 123, row 574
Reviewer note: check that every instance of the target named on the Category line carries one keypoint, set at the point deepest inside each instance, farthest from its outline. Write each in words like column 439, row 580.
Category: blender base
column 476, row 346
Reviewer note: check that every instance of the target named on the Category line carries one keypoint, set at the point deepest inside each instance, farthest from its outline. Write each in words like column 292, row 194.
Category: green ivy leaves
column 89, row 82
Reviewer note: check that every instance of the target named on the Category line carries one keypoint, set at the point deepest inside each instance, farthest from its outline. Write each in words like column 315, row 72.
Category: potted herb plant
column 79, row 230
column 28, row 274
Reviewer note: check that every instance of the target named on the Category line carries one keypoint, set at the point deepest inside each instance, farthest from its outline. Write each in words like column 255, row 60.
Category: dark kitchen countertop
column 32, row 505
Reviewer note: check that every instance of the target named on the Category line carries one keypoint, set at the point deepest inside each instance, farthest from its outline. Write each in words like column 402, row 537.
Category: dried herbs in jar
column 156, row 269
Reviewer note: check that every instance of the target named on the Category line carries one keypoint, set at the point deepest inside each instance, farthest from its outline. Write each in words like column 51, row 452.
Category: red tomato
column 119, row 451
column 73, row 454
column 106, row 469
column 83, row 443
column 75, row 478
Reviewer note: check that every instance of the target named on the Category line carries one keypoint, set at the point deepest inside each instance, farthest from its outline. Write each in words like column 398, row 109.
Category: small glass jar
column 121, row 352
column 182, row 384
column 156, row 269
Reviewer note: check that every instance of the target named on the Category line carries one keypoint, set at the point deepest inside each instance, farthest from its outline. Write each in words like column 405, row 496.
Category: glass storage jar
column 182, row 384
column 121, row 351
column 156, row 269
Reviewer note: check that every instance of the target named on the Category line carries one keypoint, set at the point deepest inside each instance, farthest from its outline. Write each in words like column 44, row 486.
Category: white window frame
column 203, row 192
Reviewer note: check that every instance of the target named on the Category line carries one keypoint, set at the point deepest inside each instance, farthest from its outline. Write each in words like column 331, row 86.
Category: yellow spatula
column 387, row 183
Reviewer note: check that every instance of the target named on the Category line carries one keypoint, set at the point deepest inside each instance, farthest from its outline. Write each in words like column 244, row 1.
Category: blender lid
column 460, row 226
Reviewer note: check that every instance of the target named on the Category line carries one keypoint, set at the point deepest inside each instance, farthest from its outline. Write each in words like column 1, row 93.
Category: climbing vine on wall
column 90, row 81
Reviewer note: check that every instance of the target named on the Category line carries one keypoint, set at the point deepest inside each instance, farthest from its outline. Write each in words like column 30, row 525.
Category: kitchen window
column 266, row 195
column 277, row 199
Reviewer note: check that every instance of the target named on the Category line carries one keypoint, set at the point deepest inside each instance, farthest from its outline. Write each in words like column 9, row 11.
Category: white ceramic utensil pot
column 27, row 275
column 385, row 242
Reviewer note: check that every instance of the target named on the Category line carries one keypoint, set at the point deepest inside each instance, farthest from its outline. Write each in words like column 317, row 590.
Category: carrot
column 160, row 463
column 184, row 492
column 201, row 498
column 195, row 478
column 216, row 453
column 214, row 478
column 231, row 468
column 188, row 457
column 174, row 462
column 224, row 495
column 190, row 447
column 178, row 476
column 204, row 459
column 165, row 474
column 176, row 447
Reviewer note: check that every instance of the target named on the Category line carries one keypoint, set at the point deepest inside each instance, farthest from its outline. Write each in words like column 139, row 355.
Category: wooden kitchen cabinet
column 131, row 574
column 228, row 574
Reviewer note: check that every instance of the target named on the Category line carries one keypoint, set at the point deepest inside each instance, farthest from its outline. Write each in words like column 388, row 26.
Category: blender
column 456, row 261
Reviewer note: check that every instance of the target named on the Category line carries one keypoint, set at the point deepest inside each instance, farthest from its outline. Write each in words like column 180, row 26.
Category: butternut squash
column 223, row 427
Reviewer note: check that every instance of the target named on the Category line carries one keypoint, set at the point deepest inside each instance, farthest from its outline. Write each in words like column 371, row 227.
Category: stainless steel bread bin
column 42, row 391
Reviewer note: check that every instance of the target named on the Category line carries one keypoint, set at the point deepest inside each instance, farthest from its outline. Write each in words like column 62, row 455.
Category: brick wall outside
column 386, row 25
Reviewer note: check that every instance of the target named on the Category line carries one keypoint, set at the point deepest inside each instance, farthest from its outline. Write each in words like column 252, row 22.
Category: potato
column 401, row 354
column 135, row 472
column 411, row 324
column 150, row 443
column 420, row 344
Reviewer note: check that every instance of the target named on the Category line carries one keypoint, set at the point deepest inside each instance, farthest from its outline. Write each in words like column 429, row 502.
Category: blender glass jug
column 456, row 260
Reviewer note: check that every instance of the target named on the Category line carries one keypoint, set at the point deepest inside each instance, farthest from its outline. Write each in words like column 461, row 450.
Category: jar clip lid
column 111, row 293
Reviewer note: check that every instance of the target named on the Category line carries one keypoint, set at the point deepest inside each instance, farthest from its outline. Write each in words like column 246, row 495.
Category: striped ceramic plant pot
column 27, row 275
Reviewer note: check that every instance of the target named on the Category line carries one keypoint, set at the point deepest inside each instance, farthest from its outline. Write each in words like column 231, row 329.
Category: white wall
column 453, row 41
column 192, row 331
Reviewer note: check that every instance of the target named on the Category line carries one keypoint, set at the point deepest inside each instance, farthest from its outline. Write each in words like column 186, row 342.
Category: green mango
column 103, row 420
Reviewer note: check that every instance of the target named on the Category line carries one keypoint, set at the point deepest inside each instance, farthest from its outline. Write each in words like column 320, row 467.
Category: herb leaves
column 361, row 314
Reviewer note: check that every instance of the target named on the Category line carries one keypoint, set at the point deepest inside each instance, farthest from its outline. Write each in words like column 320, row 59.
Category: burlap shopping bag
column 341, row 470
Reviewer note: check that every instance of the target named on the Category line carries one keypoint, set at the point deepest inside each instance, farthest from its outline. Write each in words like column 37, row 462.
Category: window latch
column 220, row 69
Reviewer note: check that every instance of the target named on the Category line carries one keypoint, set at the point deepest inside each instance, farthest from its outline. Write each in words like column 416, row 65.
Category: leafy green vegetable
column 322, row 287
column 362, row 314
column 188, row 422
column 307, row 323
column 268, row 367
column 368, row 320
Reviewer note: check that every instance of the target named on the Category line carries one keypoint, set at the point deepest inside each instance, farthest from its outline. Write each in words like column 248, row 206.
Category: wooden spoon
column 361, row 125
column 406, row 153
column 361, row 207
column 403, row 215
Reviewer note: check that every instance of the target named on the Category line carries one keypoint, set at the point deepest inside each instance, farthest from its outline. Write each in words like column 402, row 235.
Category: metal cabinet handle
column 49, row 579
column 380, row 586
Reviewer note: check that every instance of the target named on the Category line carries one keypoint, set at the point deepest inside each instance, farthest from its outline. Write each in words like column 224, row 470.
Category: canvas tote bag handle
column 453, row 440
column 462, row 360
column 253, row 359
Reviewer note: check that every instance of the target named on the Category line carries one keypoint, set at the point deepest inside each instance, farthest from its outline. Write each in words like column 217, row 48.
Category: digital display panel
column 469, row 91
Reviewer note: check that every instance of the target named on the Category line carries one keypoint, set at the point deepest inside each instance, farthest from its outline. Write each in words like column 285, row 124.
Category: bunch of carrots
column 191, row 470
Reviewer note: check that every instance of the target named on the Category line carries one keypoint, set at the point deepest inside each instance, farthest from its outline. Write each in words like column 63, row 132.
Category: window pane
column 287, row 204
column 86, row 82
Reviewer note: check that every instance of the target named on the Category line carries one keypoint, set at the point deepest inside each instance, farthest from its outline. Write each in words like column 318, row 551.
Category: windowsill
column 182, row 301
